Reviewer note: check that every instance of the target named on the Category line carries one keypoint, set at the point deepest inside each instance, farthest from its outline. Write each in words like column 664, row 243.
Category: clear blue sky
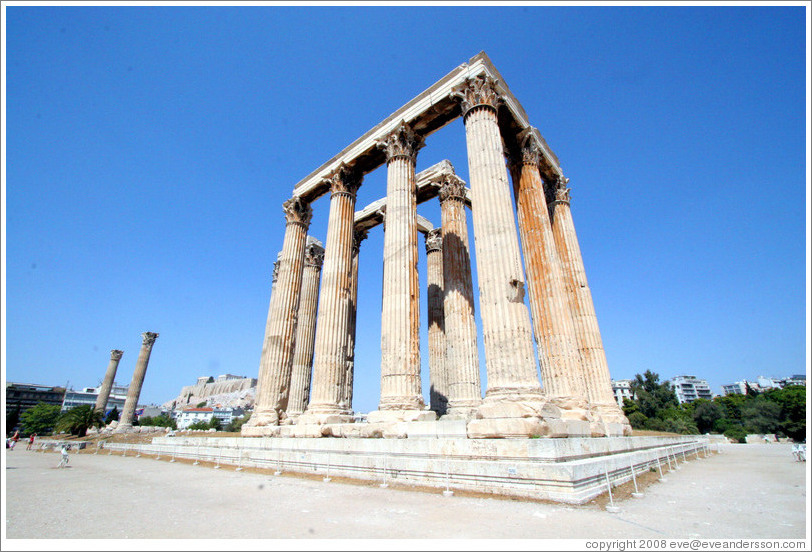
column 149, row 150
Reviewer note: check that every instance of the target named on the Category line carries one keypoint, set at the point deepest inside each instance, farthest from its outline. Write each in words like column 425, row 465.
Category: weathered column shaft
column 400, row 313
column 273, row 384
column 107, row 383
column 330, row 358
column 509, row 358
column 587, row 333
column 305, row 329
column 134, row 391
column 561, row 369
column 462, row 356
column 436, row 322
column 358, row 237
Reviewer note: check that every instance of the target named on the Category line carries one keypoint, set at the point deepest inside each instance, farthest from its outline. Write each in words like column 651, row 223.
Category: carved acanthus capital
column 451, row 187
column 434, row 240
column 402, row 142
column 149, row 338
column 358, row 236
column 314, row 255
column 344, row 180
column 478, row 91
column 531, row 152
column 297, row 211
column 557, row 190
column 115, row 354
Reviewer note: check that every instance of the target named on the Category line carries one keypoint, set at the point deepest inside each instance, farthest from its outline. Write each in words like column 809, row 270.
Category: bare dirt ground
column 747, row 491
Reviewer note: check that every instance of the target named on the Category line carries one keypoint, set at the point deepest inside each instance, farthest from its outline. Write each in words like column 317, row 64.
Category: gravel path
column 747, row 491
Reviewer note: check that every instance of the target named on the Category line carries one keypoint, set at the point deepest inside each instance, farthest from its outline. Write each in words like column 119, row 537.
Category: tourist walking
column 31, row 441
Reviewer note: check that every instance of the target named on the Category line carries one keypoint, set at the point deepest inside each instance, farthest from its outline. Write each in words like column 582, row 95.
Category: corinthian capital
column 451, row 187
column 434, row 240
column 115, row 354
column 531, row 152
column 357, row 237
column 344, row 180
column 557, row 191
column 402, row 142
column 314, row 255
column 481, row 90
column 149, row 337
column 297, row 211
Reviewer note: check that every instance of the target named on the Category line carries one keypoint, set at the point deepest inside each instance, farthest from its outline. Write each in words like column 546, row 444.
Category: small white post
column 197, row 455
column 278, row 466
column 385, row 463
column 173, row 453
column 636, row 493
column 611, row 508
column 326, row 478
column 447, row 491
column 684, row 457
column 660, row 467
column 219, row 453
column 239, row 459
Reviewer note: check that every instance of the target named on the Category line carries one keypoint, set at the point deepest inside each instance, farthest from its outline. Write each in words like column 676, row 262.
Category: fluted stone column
column 462, row 356
column 559, row 359
column 330, row 357
column 358, row 237
column 514, row 404
column 587, row 333
column 134, row 391
column 107, row 383
column 436, row 322
column 273, row 383
column 401, row 394
column 305, row 329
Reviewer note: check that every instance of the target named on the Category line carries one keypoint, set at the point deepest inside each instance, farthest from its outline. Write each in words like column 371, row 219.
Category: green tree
column 201, row 404
column 792, row 420
column 706, row 414
column 200, row 424
column 651, row 395
column 215, row 423
column 161, row 420
column 237, row 423
column 638, row 420
column 40, row 419
column 79, row 419
column 760, row 415
column 112, row 416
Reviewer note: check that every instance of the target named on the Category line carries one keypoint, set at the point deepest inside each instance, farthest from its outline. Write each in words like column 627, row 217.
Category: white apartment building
column 622, row 390
column 187, row 417
column 690, row 388
column 88, row 395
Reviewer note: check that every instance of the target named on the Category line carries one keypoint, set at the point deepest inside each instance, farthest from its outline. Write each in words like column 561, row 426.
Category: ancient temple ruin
column 305, row 383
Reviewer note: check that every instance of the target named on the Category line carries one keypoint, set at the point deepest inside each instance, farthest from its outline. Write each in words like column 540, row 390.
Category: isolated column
column 109, row 378
column 273, row 385
column 436, row 321
column 587, row 333
column 330, row 357
column 462, row 356
column 400, row 314
column 561, row 368
column 358, row 237
column 134, row 392
column 305, row 329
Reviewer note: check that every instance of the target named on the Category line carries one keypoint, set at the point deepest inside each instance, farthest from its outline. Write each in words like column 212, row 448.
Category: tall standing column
column 330, row 358
column 561, row 368
column 462, row 356
column 305, row 329
column 401, row 393
column 358, row 237
column 134, row 391
column 273, row 383
column 436, row 322
column 109, row 378
column 587, row 333
column 514, row 403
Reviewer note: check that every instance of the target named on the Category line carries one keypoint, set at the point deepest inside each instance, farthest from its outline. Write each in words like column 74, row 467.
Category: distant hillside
column 225, row 391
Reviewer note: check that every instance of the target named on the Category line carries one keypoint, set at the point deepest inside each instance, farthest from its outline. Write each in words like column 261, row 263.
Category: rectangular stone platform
column 571, row 470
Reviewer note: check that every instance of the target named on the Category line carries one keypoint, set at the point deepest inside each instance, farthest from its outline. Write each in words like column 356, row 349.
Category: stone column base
column 388, row 416
column 322, row 418
column 261, row 419
column 123, row 428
